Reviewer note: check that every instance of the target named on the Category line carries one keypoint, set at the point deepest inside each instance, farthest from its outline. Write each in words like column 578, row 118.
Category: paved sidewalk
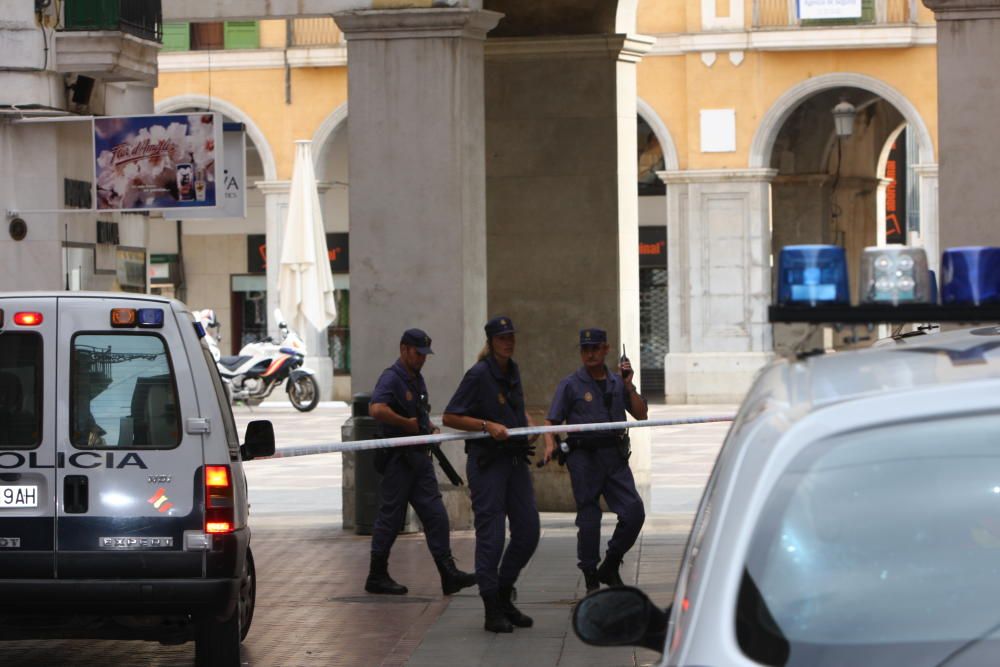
column 312, row 610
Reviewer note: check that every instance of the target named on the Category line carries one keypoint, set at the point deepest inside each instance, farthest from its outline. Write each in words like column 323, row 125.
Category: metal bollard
column 366, row 480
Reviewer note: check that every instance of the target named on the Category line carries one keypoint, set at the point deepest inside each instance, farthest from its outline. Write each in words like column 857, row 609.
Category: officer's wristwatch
column 484, row 427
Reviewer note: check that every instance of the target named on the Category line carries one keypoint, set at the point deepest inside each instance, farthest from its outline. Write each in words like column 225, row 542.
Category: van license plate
column 18, row 496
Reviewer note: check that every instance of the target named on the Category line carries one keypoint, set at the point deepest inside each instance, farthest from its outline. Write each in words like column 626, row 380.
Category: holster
column 625, row 446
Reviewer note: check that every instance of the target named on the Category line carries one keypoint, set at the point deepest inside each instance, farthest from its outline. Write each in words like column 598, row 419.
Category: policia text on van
column 123, row 504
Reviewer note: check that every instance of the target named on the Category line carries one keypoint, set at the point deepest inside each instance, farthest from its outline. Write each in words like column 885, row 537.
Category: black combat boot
column 496, row 621
column 607, row 573
column 452, row 579
column 379, row 580
column 506, row 596
column 590, row 578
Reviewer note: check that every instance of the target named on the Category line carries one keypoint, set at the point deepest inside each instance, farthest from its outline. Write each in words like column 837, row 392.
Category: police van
column 123, row 503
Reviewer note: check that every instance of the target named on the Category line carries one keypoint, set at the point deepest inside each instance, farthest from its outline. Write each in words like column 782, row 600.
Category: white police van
column 123, row 504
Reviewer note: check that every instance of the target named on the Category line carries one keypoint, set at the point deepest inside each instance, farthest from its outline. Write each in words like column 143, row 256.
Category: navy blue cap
column 419, row 339
column 500, row 324
column 593, row 337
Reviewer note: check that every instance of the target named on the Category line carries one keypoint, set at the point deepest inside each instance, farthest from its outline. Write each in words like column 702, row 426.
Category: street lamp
column 843, row 118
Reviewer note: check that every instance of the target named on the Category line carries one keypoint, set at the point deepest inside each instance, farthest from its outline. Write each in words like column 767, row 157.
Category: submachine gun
column 426, row 428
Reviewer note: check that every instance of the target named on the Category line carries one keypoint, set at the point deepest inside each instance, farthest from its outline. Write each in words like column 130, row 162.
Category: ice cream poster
column 157, row 162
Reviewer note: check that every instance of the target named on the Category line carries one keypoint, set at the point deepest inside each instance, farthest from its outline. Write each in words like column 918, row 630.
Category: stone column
column 930, row 235
column 719, row 244
column 561, row 211
column 417, row 196
column 968, row 98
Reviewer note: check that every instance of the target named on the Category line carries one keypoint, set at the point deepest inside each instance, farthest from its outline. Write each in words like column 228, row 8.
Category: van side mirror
column 620, row 616
column 259, row 440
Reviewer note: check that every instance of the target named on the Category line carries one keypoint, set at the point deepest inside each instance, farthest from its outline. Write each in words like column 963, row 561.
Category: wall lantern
column 843, row 118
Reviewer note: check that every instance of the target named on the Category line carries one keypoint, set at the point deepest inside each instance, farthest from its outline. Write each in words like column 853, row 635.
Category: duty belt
column 590, row 444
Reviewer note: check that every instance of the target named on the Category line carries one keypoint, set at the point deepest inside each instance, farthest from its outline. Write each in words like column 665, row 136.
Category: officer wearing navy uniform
column 399, row 403
column 490, row 399
column 598, row 460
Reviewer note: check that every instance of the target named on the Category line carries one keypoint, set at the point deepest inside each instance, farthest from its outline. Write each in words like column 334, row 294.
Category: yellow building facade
column 738, row 155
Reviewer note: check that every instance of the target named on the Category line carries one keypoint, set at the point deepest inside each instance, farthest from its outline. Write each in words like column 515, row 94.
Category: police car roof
column 801, row 386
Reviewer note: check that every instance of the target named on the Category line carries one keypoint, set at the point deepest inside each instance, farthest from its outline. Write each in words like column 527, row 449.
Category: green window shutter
column 242, row 35
column 91, row 15
column 176, row 37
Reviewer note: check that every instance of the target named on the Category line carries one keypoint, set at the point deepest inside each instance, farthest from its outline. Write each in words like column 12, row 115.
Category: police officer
column 490, row 399
column 399, row 403
column 598, row 460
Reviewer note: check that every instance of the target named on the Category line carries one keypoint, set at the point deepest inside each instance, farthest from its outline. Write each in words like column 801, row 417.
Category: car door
column 28, row 492
column 131, row 486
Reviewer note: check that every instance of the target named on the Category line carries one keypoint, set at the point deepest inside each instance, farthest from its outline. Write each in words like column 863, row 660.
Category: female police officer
column 598, row 460
column 490, row 399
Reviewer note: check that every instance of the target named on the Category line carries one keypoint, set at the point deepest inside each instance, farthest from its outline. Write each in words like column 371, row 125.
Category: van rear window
column 20, row 390
column 123, row 393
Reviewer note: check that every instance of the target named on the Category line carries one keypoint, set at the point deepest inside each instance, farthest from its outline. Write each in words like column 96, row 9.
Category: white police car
column 123, row 505
column 852, row 518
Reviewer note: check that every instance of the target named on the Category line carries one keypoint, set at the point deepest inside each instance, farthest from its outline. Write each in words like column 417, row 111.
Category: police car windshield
column 880, row 548
column 20, row 390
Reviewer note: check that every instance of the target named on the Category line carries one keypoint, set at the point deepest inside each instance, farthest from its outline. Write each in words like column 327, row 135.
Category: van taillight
column 220, row 508
column 27, row 319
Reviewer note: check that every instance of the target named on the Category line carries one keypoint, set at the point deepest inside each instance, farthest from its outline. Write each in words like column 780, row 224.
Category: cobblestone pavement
column 311, row 606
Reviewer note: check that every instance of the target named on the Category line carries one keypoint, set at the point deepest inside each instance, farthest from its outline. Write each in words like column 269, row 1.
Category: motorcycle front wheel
column 303, row 392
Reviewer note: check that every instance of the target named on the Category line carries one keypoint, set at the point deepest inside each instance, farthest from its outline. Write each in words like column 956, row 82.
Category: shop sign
column 232, row 191
column 829, row 9
column 336, row 249
column 167, row 161
column 653, row 247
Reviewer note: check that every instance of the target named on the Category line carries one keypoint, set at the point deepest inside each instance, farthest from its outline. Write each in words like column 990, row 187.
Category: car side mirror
column 620, row 616
column 259, row 440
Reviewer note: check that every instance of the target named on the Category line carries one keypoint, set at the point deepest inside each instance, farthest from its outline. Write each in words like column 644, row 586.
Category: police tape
column 436, row 439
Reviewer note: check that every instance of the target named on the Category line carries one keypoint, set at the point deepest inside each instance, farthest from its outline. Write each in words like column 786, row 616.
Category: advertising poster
column 166, row 161
column 829, row 9
column 232, row 186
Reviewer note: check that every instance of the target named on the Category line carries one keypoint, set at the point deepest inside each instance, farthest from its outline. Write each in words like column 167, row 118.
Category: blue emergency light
column 811, row 274
column 149, row 318
column 970, row 276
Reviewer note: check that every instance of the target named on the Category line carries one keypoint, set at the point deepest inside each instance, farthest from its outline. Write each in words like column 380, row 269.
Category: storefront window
column 339, row 334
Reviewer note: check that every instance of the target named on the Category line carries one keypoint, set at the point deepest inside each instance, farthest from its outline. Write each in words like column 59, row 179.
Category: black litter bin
column 366, row 481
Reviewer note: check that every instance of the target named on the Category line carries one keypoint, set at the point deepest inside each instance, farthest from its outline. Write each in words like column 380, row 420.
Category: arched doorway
column 224, row 259
column 848, row 188
column 655, row 152
column 330, row 153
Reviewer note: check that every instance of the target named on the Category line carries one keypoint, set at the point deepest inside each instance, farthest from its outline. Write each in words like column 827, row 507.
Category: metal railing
column 314, row 32
column 784, row 14
column 142, row 18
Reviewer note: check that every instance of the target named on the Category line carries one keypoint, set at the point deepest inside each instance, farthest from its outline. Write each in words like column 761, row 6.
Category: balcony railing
column 314, row 32
column 769, row 14
column 142, row 18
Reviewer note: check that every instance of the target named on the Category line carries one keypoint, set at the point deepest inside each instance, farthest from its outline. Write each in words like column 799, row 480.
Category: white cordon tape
column 412, row 440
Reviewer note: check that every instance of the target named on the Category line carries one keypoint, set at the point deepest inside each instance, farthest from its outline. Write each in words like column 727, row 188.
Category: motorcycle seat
column 232, row 363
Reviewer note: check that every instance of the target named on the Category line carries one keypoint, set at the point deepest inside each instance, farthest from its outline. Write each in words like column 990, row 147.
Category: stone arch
column 769, row 128
column 327, row 131
column 180, row 102
column 671, row 162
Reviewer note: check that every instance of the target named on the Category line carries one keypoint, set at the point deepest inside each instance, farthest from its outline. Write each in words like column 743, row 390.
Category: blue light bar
column 811, row 274
column 149, row 318
column 970, row 275
column 200, row 330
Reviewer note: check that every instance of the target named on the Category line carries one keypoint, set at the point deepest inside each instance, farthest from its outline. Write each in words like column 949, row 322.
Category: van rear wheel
column 218, row 642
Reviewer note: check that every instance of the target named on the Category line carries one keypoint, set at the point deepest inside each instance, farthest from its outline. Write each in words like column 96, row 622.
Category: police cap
column 417, row 338
column 499, row 325
column 593, row 337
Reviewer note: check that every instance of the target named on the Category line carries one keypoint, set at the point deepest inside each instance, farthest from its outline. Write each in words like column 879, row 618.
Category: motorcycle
column 263, row 365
